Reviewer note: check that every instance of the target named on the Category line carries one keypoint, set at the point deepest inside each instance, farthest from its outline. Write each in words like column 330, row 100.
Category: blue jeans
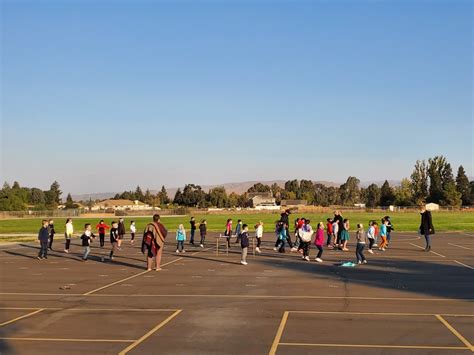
column 180, row 245
column 43, row 253
column 360, row 252
column 428, row 241
column 191, row 240
column 388, row 237
column 87, row 250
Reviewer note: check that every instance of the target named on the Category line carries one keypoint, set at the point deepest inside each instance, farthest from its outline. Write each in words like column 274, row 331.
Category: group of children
column 337, row 231
column 117, row 234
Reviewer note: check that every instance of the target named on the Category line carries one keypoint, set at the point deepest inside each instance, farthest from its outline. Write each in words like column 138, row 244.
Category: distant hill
column 237, row 187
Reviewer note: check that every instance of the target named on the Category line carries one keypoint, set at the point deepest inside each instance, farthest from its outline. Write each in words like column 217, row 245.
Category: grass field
column 403, row 222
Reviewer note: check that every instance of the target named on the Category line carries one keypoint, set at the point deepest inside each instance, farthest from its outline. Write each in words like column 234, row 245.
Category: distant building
column 432, row 207
column 360, row 205
column 294, row 203
column 121, row 205
column 264, row 201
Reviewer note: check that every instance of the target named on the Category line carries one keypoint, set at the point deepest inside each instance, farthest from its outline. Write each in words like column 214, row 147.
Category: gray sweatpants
column 244, row 254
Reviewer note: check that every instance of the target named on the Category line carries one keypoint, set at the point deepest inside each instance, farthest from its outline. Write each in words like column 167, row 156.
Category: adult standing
column 340, row 222
column 192, row 223
column 154, row 242
column 426, row 226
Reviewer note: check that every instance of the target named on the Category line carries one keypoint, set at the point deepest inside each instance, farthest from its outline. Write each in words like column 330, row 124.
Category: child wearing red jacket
column 330, row 233
column 102, row 229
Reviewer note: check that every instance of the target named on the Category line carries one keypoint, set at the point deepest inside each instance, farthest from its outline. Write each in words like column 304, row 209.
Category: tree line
column 432, row 180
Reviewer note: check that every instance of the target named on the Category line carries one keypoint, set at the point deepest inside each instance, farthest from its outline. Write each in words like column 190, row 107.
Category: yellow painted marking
column 147, row 335
column 133, row 276
column 459, row 246
column 115, row 283
column 455, row 332
column 72, row 340
column 378, row 346
column 414, row 299
column 21, row 317
column 380, row 313
column 460, row 263
column 279, row 333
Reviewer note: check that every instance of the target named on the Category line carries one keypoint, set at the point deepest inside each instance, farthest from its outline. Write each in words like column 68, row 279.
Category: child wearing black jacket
column 87, row 238
column 203, row 231
column 43, row 237
column 114, row 238
column 244, row 243
column 52, row 232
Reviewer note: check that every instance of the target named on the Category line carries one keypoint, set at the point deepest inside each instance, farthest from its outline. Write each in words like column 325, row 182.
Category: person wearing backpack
column 305, row 234
column 153, row 243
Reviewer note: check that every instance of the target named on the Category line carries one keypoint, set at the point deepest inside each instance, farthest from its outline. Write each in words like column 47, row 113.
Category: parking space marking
column 150, row 333
column 455, row 332
column 468, row 346
column 459, row 246
column 460, row 263
column 72, row 340
column 279, row 333
column 431, row 251
column 377, row 346
column 22, row 317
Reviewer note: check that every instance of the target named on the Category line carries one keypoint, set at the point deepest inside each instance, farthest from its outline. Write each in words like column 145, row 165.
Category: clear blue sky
column 103, row 96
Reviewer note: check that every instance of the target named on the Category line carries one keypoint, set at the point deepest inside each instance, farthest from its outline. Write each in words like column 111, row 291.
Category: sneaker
column 319, row 260
column 275, row 249
column 306, row 258
column 365, row 261
column 84, row 259
column 202, row 246
column 184, row 251
column 257, row 249
column 66, row 251
column 294, row 249
column 375, row 245
column 359, row 262
column 383, row 249
column 243, row 262
column 345, row 249
column 39, row 258
column 177, row 251
column 371, row 251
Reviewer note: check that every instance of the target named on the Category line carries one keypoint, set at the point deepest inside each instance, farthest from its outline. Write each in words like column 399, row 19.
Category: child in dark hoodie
column 43, row 238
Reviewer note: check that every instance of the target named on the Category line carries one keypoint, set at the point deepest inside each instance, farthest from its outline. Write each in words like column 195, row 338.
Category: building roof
column 110, row 203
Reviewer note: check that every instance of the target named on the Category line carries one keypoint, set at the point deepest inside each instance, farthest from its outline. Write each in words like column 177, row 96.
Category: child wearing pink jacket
column 319, row 241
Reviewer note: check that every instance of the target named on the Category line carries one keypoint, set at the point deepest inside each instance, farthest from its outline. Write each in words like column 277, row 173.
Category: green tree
column 55, row 193
column 16, row 185
column 403, row 193
column 139, row 194
column 259, row 187
column 69, row 202
column 419, row 182
column 218, row 197
column 163, row 196
column 387, row 197
column 350, row 191
column 451, row 196
column 233, row 199
column 372, row 198
column 463, row 186
column 178, row 198
column 37, row 197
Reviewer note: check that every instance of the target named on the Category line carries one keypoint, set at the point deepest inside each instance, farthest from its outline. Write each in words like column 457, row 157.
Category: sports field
column 403, row 222
column 404, row 301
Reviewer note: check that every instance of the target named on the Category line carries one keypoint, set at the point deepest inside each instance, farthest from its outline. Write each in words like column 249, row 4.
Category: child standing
column 238, row 230
column 43, row 238
column 180, row 238
column 390, row 228
column 133, row 230
column 329, row 233
column 52, row 232
column 192, row 225
column 371, row 236
column 259, row 235
column 361, row 238
column 244, row 243
column 68, row 234
column 383, row 235
column 282, row 237
column 306, row 233
column 87, row 237
column 121, row 232
column 228, row 231
column 203, row 232
column 345, row 234
column 318, row 241
column 102, row 228
column 114, row 237
column 377, row 231
column 335, row 232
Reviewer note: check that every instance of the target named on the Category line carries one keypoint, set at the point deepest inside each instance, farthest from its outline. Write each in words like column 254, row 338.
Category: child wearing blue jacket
column 180, row 238
column 43, row 238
